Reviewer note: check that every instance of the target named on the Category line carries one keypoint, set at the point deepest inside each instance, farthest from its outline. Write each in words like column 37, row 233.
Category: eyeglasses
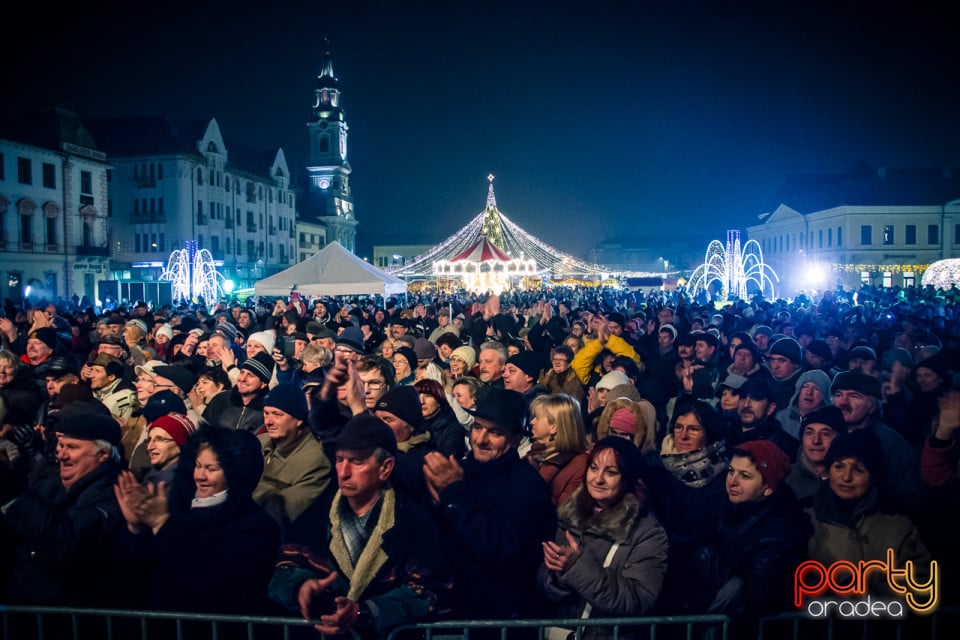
column 159, row 440
column 343, row 350
column 374, row 385
column 560, row 361
column 153, row 384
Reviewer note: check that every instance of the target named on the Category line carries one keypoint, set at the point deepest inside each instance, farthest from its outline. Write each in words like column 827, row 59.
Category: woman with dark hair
column 208, row 547
column 449, row 437
column 686, row 482
column 210, row 382
column 610, row 553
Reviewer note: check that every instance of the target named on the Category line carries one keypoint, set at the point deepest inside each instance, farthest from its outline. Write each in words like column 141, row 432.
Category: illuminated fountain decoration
column 193, row 274
column 733, row 269
column 943, row 274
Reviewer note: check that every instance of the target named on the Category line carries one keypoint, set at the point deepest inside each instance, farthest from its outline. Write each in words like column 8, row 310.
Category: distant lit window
column 887, row 279
column 865, row 277
column 909, row 278
column 866, row 234
column 910, row 234
column 888, row 235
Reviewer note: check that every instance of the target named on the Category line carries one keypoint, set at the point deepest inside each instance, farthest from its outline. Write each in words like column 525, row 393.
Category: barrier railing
column 47, row 623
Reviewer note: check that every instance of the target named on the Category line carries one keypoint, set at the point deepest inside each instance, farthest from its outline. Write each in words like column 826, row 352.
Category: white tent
column 333, row 271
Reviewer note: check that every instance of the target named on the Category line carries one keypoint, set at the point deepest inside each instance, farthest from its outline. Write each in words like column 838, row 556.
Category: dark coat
column 747, row 570
column 408, row 582
column 495, row 520
column 449, row 436
column 64, row 540
column 769, row 429
column 227, row 410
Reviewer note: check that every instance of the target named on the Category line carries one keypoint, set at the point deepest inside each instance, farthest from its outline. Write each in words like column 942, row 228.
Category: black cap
column 160, row 404
column 180, row 376
column 365, row 431
column 505, row 408
column 758, row 388
column 828, row 415
column 90, row 426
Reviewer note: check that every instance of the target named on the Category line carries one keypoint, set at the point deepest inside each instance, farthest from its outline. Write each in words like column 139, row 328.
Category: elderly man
column 166, row 435
column 371, row 561
column 492, row 358
column 64, row 529
column 858, row 396
column 296, row 471
column 495, row 510
column 109, row 387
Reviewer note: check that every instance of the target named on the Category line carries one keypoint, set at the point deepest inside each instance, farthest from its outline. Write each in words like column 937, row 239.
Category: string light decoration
column 734, row 267
column 942, row 274
column 193, row 274
column 512, row 240
column 878, row 268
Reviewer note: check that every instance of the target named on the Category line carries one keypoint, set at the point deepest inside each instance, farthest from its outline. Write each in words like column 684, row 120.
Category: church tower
column 329, row 200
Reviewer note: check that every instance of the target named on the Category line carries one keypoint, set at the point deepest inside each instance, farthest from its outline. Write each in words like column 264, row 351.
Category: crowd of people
column 560, row 453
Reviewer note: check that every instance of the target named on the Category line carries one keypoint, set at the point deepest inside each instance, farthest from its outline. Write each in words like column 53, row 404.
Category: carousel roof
column 481, row 251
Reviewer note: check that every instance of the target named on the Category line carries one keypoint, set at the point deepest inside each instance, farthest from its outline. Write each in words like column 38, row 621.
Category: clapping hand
column 560, row 557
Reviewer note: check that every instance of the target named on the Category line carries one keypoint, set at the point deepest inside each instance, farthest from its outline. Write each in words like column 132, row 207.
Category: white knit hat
column 266, row 338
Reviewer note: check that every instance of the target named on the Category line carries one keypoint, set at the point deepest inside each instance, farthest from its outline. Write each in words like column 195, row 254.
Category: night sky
column 597, row 119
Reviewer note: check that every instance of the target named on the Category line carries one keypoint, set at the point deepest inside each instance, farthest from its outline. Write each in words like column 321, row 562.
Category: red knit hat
column 179, row 426
column 624, row 421
column 770, row 460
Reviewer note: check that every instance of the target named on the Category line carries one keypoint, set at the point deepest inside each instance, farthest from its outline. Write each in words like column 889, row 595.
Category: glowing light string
column 734, row 268
column 193, row 274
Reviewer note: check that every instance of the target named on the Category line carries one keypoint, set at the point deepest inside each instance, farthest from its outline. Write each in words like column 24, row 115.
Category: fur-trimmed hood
column 616, row 524
column 646, row 422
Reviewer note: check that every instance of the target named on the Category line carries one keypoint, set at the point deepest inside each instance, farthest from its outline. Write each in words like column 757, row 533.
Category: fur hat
column 177, row 425
column 289, row 398
column 261, row 365
column 266, row 338
column 856, row 381
column 403, row 402
column 529, row 362
column 467, row 354
column 770, row 460
column 789, row 349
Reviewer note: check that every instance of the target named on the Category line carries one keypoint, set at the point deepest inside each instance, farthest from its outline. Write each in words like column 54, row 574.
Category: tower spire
column 491, row 227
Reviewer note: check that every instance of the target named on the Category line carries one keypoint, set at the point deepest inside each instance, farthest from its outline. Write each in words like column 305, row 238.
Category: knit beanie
column 289, row 398
column 611, row 380
column 789, row 349
column 828, row 415
column 770, row 460
column 165, row 330
column 261, row 365
column 529, row 362
column 403, row 402
column 46, row 335
column 228, row 331
column 178, row 426
column 351, row 338
column 669, row 328
column 467, row 354
column 752, row 348
column 139, row 324
column 856, row 381
column 266, row 338
column 409, row 354
column 624, row 420
column 816, row 376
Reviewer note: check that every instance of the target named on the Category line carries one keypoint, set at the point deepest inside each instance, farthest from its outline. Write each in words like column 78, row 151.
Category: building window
column 49, row 175
column 199, row 175
column 933, row 234
column 866, row 234
column 865, row 277
column 86, row 183
column 163, row 242
column 24, row 171
column 51, row 231
column 820, row 239
column 136, row 243
column 888, row 234
column 324, row 144
column 910, row 234
column 887, row 279
column 160, row 204
column 829, row 237
column 909, row 278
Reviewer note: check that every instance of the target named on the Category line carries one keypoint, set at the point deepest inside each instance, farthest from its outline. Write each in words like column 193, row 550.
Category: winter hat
column 467, row 354
column 706, row 336
column 828, row 415
column 529, row 362
column 403, row 402
column 408, row 340
column 789, row 349
column 861, row 444
column 505, row 408
column 410, row 356
column 351, row 338
column 165, row 330
column 625, row 392
column 629, row 454
column 751, row 347
column 669, row 328
column 944, row 363
column 161, row 403
column 226, row 330
column 764, row 329
column 180, row 376
column 46, row 335
column 90, row 426
column 261, row 365
column 365, row 431
column 612, row 379
column 289, row 398
column 822, row 349
column 770, row 460
column 856, row 381
column 816, row 376
column 758, row 388
column 617, row 318
column 111, row 365
column 139, row 324
column 897, row 354
column 424, row 349
column 266, row 338
column 70, row 393
column 624, row 420
column 862, row 352
column 177, row 425
column 58, row 366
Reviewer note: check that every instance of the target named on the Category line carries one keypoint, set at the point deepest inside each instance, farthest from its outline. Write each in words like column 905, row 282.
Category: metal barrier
column 47, row 623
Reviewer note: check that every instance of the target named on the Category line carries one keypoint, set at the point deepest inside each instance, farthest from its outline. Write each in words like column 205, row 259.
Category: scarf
column 210, row 501
column 540, row 452
column 413, row 441
column 362, row 572
column 697, row 468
